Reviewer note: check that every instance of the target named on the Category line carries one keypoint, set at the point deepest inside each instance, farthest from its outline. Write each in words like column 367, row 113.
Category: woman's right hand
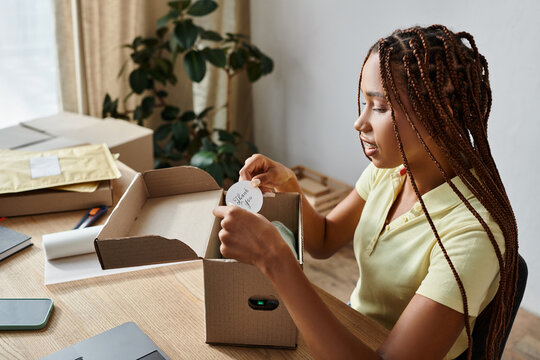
column 268, row 175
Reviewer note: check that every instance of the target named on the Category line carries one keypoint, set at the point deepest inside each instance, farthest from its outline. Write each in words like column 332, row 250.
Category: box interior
column 176, row 204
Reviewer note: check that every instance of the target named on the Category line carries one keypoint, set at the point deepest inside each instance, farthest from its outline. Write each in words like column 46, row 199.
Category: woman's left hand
column 248, row 237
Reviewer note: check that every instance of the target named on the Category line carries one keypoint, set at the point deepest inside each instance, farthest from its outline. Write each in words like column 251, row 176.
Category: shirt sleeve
column 474, row 259
column 365, row 182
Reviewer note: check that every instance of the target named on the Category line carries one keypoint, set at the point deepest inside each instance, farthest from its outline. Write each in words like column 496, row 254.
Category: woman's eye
column 379, row 110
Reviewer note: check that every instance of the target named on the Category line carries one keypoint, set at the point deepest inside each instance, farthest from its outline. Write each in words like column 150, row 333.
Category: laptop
column 124, row 342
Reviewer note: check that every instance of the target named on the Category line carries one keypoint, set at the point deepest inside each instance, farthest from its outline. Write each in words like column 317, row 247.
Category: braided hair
column 447, row 84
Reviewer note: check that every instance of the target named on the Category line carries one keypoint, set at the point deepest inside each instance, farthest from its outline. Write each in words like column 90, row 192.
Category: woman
column 433, row 230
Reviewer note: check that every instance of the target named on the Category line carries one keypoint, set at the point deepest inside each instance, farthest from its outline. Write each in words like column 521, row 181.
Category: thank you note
column 245, row 195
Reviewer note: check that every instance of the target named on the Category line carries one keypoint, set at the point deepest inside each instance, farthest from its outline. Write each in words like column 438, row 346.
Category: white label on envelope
column 44, row 166
column 245, row 195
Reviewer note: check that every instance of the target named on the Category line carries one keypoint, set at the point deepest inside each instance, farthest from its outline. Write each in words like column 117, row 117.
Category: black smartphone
column 24, row 313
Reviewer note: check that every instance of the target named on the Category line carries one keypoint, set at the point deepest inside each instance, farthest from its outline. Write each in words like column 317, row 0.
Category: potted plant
column 185, row 137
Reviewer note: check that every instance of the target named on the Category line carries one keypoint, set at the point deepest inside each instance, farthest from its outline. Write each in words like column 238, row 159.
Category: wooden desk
column 167, row 303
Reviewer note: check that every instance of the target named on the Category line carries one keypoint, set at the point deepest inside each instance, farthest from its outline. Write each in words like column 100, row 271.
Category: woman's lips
column 369, row 148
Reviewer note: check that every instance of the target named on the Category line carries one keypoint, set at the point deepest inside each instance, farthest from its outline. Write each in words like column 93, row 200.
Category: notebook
column 12, row 241
column 126, row 342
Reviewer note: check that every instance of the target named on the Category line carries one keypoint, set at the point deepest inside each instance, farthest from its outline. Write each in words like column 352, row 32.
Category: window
column 28, row 66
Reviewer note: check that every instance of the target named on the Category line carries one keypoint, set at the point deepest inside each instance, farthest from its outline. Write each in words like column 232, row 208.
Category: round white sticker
column 245, row 195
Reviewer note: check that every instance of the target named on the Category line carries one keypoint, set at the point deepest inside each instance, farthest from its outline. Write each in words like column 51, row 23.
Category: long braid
column 447, row 85
column 387, row 73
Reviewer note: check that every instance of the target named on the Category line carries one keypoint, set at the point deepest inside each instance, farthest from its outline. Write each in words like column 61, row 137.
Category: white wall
column 304, row 111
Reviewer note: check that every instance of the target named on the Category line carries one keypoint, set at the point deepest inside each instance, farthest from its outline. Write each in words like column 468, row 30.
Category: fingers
column 220, row 211
column 254, row 165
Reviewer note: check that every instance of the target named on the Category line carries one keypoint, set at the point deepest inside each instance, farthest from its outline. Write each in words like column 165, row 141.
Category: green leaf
column 215, row 56
column 237, row 134
column 254, row 71
column 158, row 74
column 172, row 14
column 209, row 35
column 225, row 135
column 150, row 42
column 230, row 171
column 169, row 147
column 186, row 33
column 162, row 132
column 252, row 147
column 202, row 7
column 136, row 42
column 158, row 151
column 161, row 32
column 161, row 164
column 137, row 114
column 162, row 93
column 226, row 149
column 203, row 159
column 267, row 65
column 147, row 106
column 107, row 106
column 174, row 48
column 170, row 113
column 207, row 144
column 180, row 5
column 194, row 65
column 236, row 60
column 217, row 172
column 164, row 65
column 138, row 80
column 187, row 116
column 180, row 135
column 253, row 50
column 172, row 79
column 205, row 112
column 176, row 156
column 141, row 56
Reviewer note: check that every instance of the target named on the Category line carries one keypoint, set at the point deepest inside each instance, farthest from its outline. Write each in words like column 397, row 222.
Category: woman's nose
column 360, row 123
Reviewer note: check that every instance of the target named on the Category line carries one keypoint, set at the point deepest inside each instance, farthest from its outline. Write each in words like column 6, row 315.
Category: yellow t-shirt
column 403, row 258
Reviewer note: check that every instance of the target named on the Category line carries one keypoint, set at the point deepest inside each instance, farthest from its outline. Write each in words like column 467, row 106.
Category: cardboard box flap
column 156, row 207
column 141, row 250
column 178, row 180
column 121, row 220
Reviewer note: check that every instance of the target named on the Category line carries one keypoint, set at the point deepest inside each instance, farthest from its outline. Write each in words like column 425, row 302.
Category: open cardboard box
column 166, row 216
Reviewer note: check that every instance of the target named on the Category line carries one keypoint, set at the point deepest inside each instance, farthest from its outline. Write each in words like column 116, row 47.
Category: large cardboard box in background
column 166, row 216
column 134, row 143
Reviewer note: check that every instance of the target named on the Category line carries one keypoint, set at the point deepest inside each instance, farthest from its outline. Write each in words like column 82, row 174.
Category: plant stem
column 228, row 105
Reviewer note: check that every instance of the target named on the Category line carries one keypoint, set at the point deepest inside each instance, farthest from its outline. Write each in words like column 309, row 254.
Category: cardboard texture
column 48, row 200
column 132, row 142
column 166, row 215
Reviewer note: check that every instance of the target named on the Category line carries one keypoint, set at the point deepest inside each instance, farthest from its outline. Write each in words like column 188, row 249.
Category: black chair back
column 481, row 328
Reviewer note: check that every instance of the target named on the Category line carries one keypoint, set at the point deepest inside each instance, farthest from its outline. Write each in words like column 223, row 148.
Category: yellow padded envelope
column 24, row 171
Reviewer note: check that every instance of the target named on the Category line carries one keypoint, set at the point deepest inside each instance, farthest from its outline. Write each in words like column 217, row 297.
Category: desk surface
column 167, row 303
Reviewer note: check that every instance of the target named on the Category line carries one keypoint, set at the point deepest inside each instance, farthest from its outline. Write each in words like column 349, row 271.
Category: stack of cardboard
column 133, row 143
column 56, row 180
column 321, row 191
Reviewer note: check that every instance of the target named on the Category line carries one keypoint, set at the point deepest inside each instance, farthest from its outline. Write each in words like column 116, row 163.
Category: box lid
column 17, row 136
column 164, row 216
column 112, row 132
